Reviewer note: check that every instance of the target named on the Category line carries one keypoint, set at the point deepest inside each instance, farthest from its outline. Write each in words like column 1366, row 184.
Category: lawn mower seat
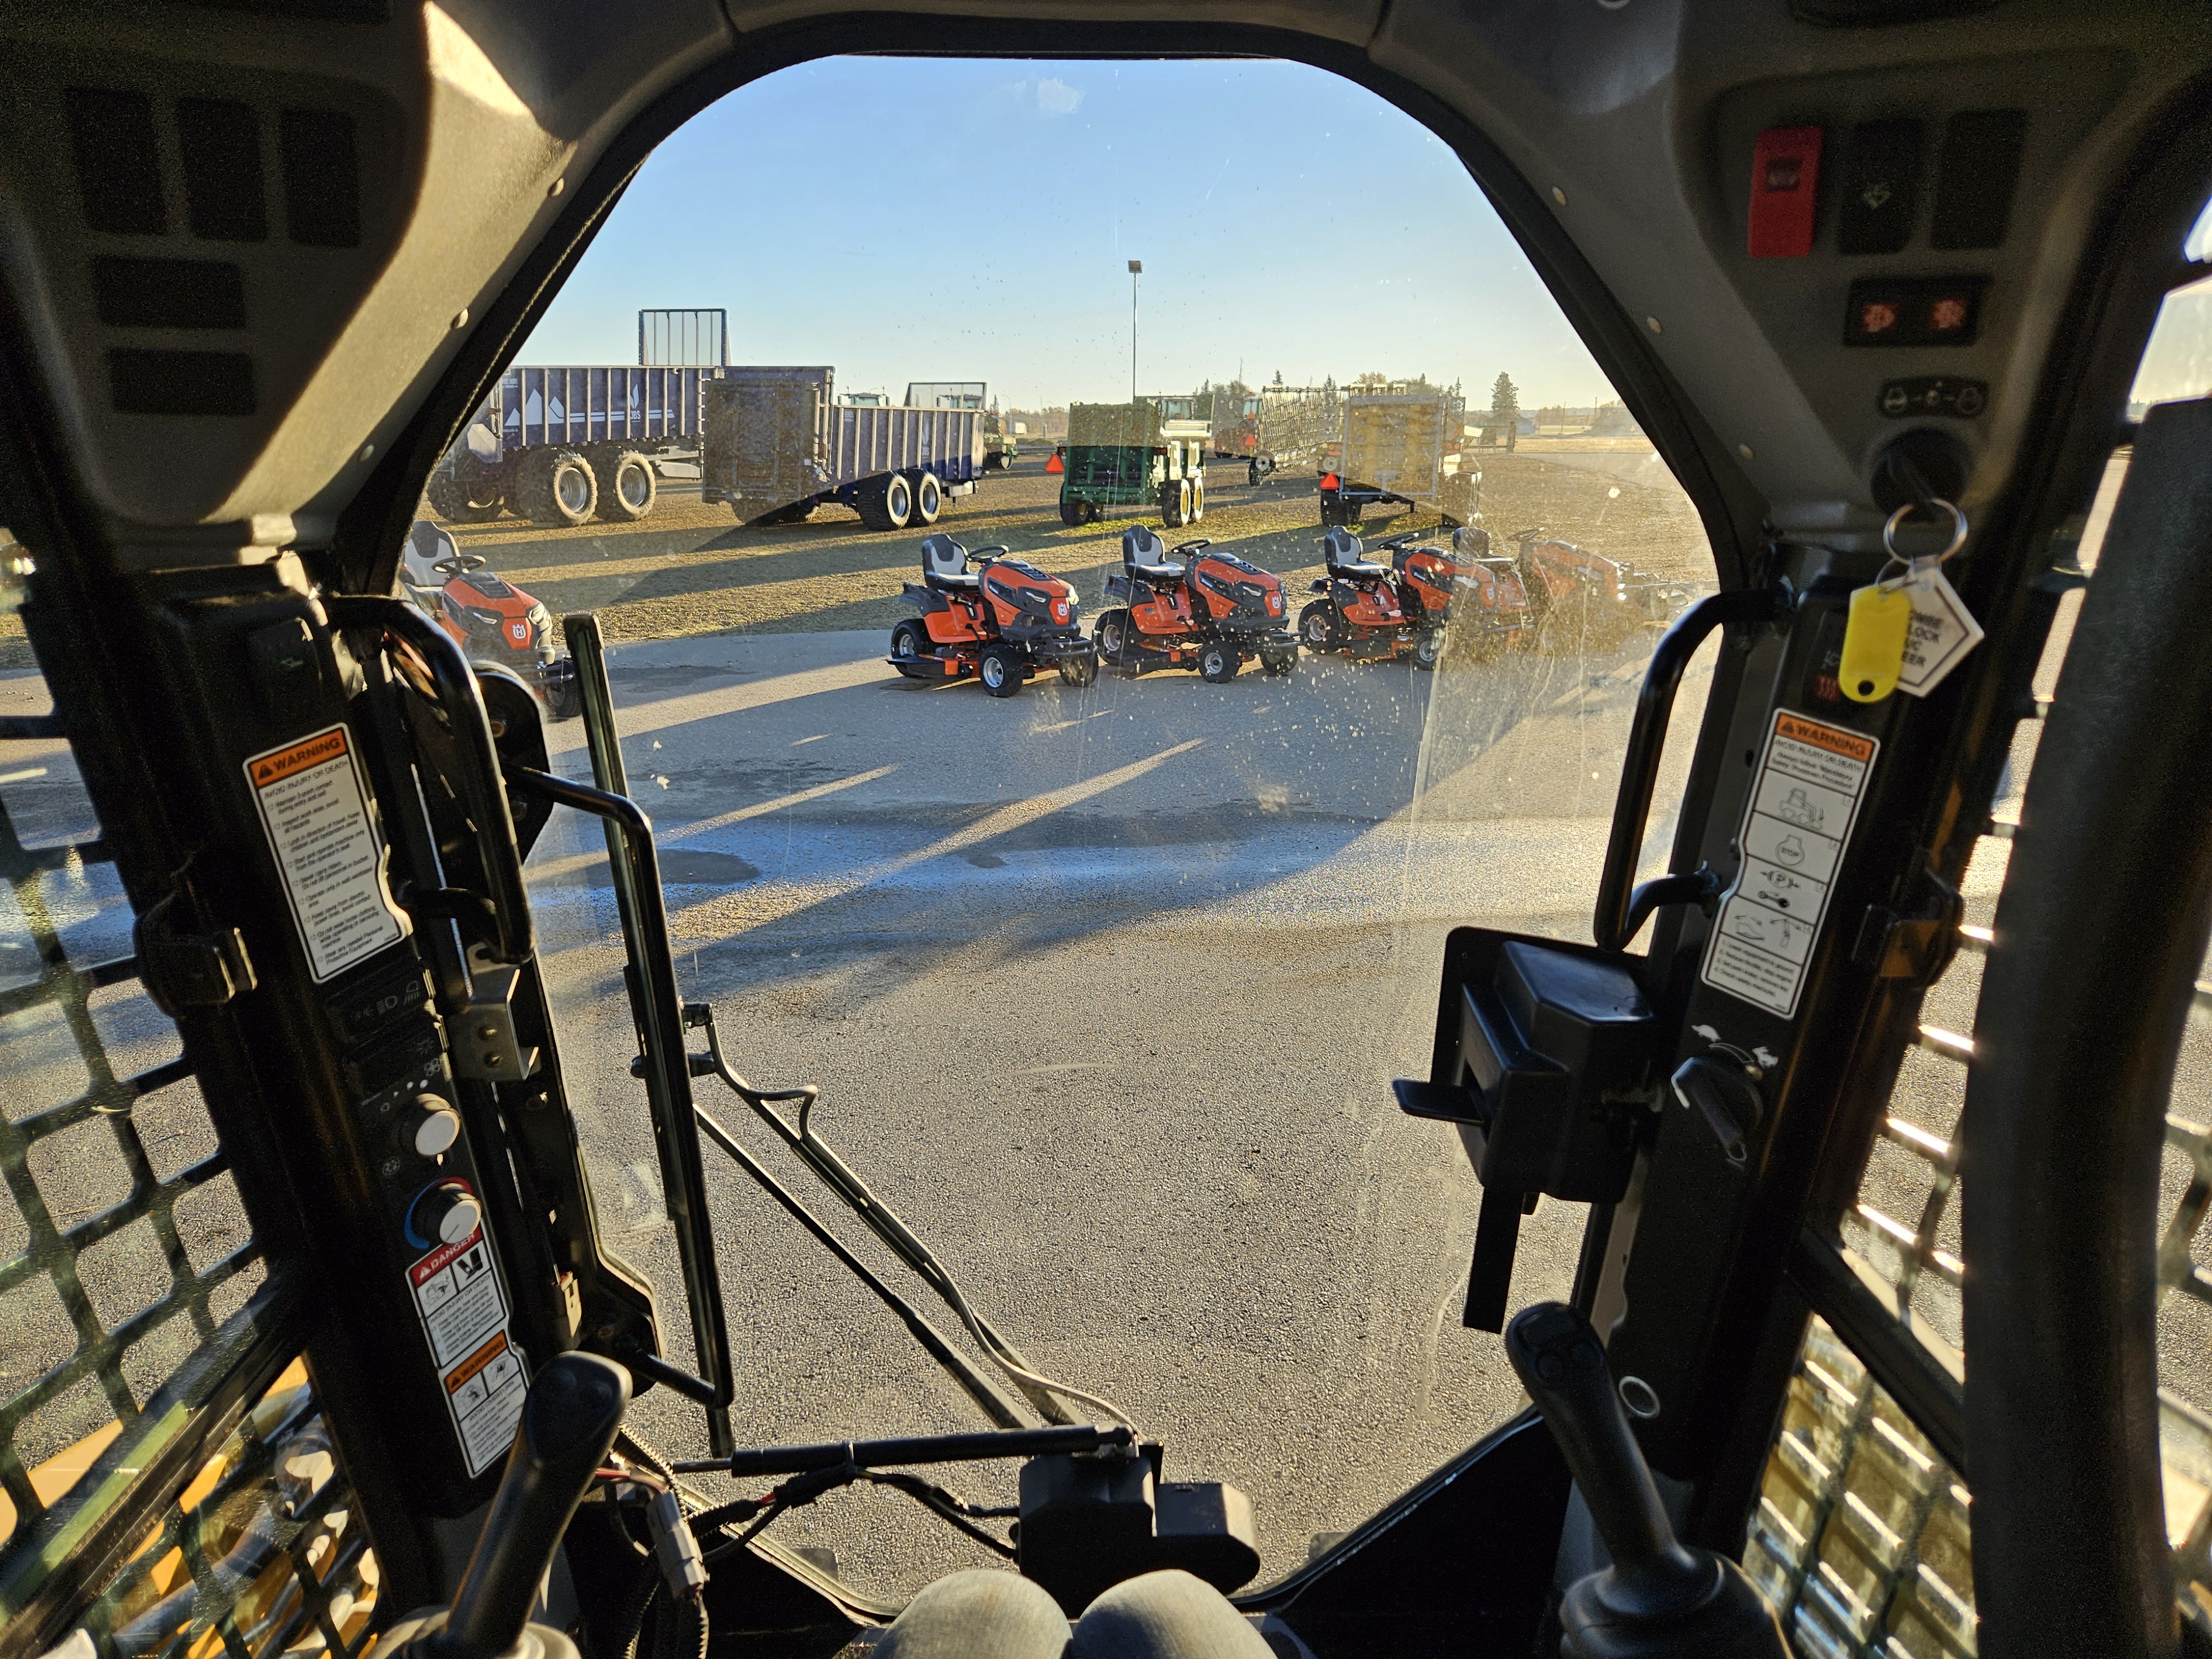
column 944, row 566
column 1340, row 549
column 426, row 544
column 1473, row 539
column 1144, row 556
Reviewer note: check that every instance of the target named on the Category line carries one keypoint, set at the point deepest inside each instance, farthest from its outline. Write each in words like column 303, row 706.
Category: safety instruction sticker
column 1802, row 806
column 315, row 811
column 457, row 1292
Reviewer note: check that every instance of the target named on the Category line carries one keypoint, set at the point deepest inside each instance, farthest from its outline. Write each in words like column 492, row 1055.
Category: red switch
column 1785, row 182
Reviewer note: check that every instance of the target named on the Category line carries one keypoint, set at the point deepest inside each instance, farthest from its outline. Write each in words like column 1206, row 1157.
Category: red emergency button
column 1785, row 180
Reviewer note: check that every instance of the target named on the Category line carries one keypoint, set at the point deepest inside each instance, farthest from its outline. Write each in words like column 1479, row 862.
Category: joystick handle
column 1561, row 1363
column 1659, row 1600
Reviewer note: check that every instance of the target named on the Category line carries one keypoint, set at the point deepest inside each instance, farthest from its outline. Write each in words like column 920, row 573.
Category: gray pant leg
column 1165, row 1615
column 979, row 1614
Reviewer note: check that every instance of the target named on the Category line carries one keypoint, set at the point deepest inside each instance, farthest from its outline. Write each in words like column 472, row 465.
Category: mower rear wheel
column 1318, row 628
column 1000, row 671
column 1079, row 671
column 928, row 499
column 1216, row 663
column 1110, row 634
column 1429, row 649
column 909, row 641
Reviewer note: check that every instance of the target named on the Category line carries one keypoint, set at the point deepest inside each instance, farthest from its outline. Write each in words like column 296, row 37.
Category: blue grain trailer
column 562, row 445
column 775, row 444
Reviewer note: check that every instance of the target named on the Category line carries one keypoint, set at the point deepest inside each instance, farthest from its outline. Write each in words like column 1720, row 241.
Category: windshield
column 1103, row 979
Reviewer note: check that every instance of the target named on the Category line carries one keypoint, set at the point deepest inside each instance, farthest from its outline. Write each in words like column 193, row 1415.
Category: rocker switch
column 1785, row 179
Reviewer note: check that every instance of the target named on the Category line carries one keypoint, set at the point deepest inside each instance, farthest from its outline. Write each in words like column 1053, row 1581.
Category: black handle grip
column 567, row 1427
column 1561, row 1363
column 463, row 702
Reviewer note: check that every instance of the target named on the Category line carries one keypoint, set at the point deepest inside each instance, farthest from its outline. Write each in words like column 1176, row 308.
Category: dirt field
column 690, row 570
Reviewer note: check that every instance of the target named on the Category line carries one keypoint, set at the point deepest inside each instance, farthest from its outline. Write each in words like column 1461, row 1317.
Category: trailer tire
column 1071, row 513
column 797, row 513
column 1197, row 499
column 628, row 488
column 555, row 487
column 885, row 502
column 928, row 499
column 455, row 502
column 1174, row 504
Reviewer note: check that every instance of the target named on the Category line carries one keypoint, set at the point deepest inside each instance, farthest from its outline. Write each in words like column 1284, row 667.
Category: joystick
column 567, row 1427
column 1660, row 1599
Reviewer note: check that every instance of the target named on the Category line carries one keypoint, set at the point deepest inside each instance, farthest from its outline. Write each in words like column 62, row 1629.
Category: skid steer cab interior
column 992, row 616
column 1797, row 1110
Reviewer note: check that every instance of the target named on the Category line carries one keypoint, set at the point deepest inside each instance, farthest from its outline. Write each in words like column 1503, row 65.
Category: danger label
column 463, row 1312
column 1803, row 803
column 315, row 812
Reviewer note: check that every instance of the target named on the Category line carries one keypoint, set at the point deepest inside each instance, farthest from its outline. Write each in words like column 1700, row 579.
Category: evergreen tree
column 1505, row 399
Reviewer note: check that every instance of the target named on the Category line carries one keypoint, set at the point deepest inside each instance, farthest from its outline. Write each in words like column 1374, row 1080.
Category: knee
column 1165, row 1615
column 979, row 1614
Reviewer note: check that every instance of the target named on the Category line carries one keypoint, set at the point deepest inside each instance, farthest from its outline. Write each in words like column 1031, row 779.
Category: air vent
column 180, row 382
column 322, row 178
column 220, row 142
column 168, row 293
column 118, row 163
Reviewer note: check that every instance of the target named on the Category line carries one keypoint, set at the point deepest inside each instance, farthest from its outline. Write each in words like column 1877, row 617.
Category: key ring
column 1957, row 531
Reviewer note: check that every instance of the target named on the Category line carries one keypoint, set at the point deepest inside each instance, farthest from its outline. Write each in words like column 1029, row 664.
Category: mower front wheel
column 1079, row 671
column 1429, row 649
column 1000, row 670
column 1279, row 663
column 1218, row 663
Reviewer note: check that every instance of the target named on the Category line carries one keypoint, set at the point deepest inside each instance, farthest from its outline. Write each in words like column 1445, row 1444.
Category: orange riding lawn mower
column 1003, row 622
column 1373, row 612
column 1582, row 600
column 1213, row 612
column 495, row 623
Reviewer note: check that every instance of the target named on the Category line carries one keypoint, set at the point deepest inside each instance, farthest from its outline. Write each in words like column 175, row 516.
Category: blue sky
column 908, row 219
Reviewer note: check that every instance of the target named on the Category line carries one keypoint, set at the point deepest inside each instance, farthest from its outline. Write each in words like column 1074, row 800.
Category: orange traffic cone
column 1056, row 464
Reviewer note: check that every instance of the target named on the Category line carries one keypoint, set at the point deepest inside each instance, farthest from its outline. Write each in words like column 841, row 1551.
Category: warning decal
column 1799, row 820
column 457, row 1292
column 316, row 813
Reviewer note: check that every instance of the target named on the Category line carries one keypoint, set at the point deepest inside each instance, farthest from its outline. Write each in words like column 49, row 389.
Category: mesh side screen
column 125, row 1248
column 262, row 1552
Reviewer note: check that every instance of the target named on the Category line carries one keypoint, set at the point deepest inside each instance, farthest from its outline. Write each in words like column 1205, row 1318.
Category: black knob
column 568, row 1425
column 1658, row 1600
column 444, row 1213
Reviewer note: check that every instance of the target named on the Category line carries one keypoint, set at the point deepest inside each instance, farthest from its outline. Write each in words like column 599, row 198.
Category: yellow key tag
column 1875, row 634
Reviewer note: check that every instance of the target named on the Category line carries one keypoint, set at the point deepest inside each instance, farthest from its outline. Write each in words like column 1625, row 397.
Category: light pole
column 1136, row 269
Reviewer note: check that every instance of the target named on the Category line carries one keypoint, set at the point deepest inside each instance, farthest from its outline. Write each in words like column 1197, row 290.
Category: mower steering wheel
column 977, row 555
column 458, row 565
column 1202, row 543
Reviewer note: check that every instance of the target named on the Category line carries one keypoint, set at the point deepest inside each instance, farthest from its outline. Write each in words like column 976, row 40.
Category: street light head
column 1136, row 266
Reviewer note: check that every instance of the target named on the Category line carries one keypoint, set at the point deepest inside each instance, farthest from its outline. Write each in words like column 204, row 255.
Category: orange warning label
column 281, row 764
column 476, row 1362
column 1849, row 744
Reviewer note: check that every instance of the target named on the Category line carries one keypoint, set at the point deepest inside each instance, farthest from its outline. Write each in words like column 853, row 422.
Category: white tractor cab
column 1801, row 1168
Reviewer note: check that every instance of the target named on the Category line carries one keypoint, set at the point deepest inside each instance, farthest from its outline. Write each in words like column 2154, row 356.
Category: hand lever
column 1660, row 1599
column 567, row 1427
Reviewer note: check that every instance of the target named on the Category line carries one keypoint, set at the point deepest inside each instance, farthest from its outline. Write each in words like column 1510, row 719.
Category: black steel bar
column 659, row 1017
column 1618, row 912
column 1928, row 1393
column 463, row 703
column 920, row 1449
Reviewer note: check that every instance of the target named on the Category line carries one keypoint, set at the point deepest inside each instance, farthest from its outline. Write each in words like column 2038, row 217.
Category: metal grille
column 263, row 1553
column 106, row 1289
column 1861, row 1537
